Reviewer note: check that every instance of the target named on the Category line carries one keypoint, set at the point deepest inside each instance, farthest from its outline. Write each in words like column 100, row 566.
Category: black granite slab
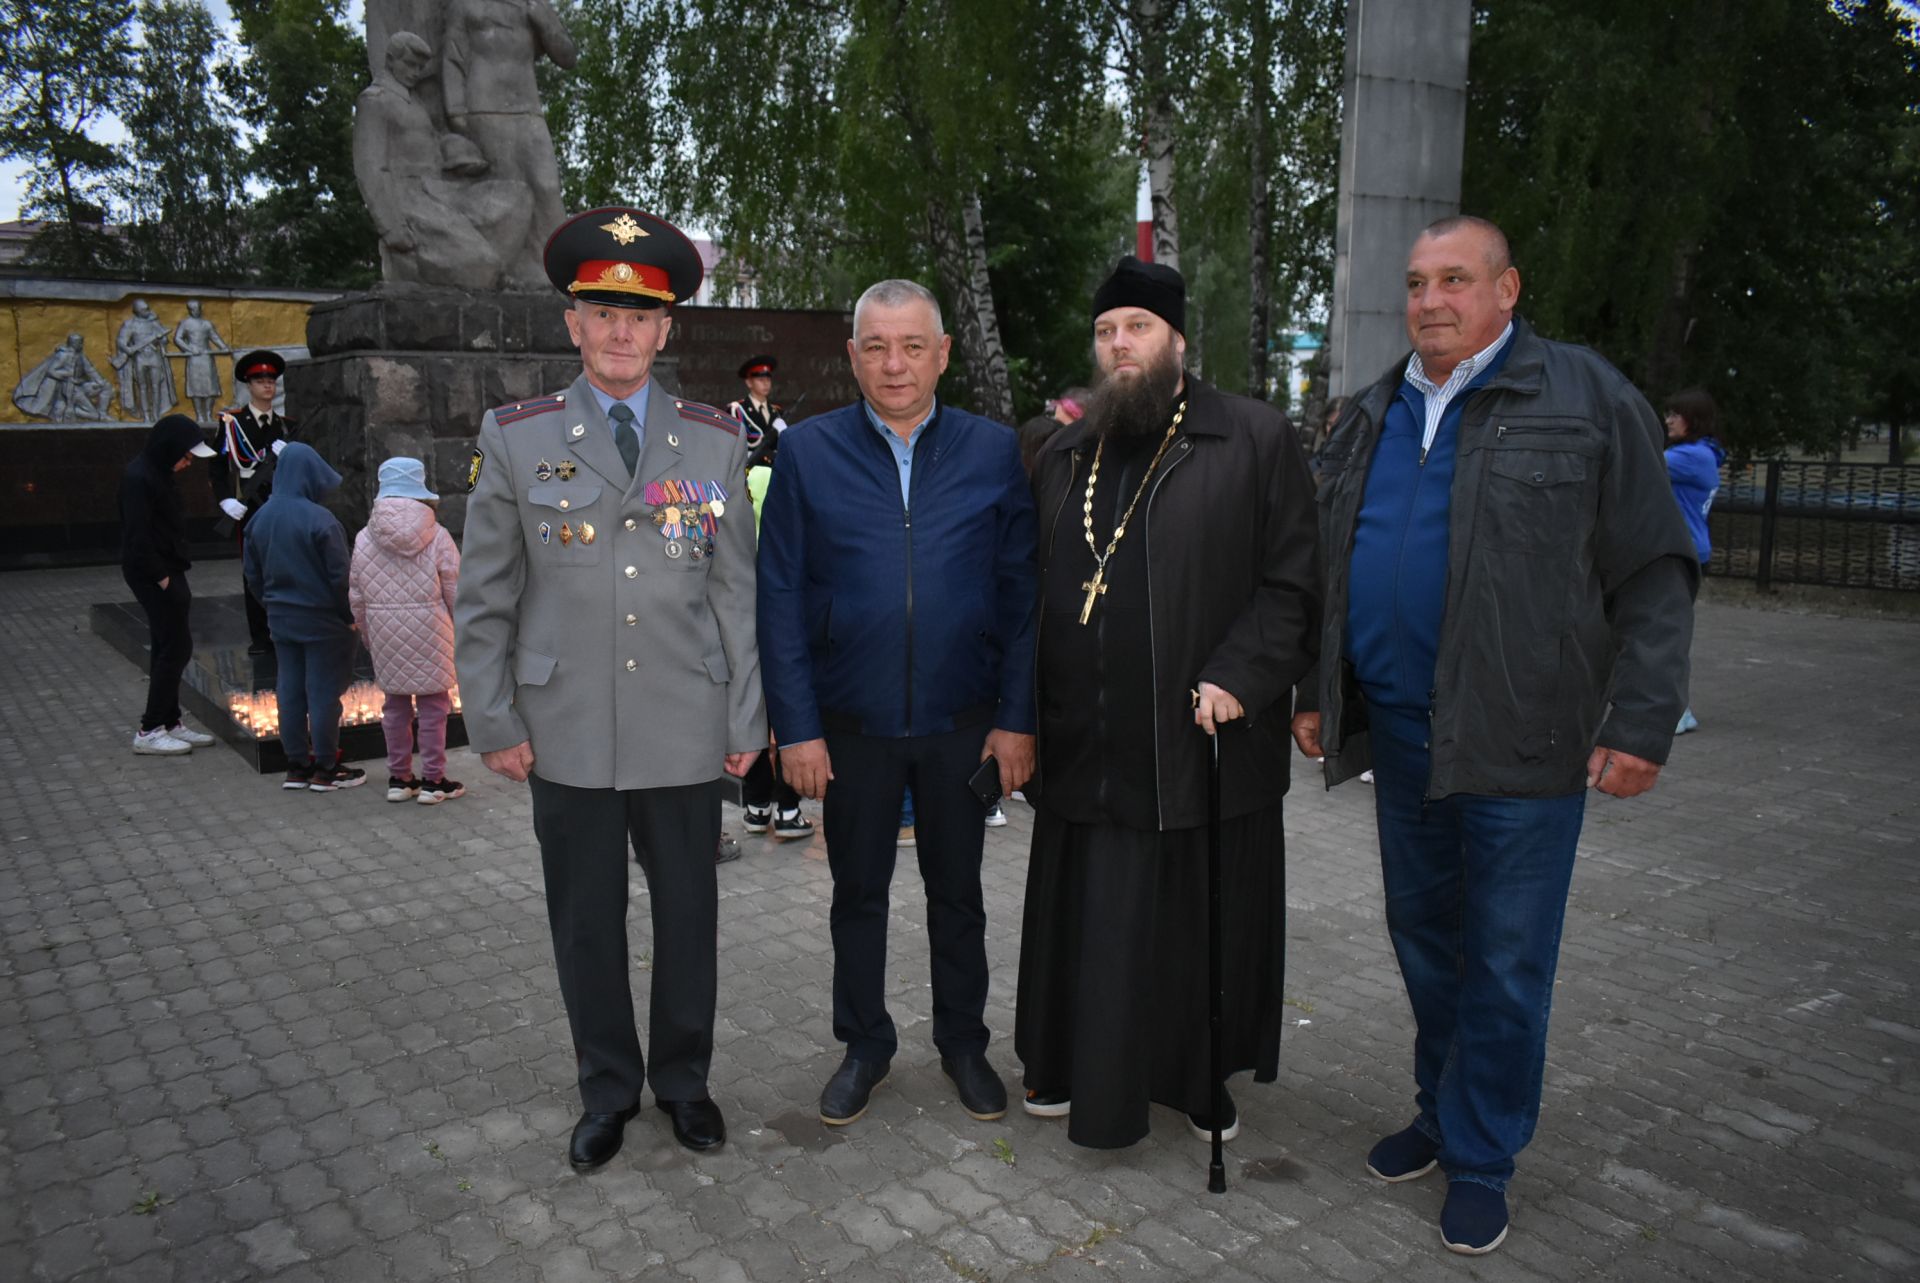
column 231, row 692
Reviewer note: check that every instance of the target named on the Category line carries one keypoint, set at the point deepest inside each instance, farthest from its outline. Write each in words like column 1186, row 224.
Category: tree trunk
column 960, row 252
column 1667, row 360
column 1150, row 22
column 1259, row 203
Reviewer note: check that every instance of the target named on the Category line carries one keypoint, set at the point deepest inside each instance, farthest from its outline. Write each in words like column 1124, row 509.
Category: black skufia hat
column 1153, row 286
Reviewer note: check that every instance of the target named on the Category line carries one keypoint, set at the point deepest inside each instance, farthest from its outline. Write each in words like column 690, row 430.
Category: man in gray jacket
column 605, row 646
column 1509, row 606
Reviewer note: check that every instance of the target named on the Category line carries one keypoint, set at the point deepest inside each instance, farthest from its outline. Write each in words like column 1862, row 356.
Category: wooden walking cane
column 1217, row 1170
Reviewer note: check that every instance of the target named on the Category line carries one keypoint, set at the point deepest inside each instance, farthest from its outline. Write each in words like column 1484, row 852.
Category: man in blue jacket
column 896, row 645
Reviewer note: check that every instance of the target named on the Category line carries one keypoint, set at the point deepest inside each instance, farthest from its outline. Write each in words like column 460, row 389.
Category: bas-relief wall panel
column 32, row 327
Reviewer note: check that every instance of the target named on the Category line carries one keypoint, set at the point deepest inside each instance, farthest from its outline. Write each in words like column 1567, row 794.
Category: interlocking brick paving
column 250, row 1034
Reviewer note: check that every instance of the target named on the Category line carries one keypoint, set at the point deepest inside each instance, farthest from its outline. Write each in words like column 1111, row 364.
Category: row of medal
column 689, row 511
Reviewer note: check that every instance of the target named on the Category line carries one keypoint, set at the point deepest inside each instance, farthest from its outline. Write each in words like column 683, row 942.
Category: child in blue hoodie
column 1694, row 457
column 296, row 566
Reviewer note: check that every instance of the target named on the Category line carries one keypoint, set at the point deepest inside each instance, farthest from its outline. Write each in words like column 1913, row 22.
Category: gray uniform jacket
column 625, row 667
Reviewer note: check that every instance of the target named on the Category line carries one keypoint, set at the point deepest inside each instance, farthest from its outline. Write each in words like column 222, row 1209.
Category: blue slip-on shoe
column 1473, row 1220
column 1403, row 1156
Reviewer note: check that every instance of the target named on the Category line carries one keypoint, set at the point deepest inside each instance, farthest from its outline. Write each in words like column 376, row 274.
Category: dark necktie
column 624, row 435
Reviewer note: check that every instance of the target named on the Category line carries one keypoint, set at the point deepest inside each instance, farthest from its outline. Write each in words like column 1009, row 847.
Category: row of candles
column 258, row 712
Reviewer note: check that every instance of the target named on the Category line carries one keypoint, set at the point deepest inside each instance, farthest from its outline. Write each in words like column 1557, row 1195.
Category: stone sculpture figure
column 65, row 387
column 199, row 339
column 488, row 52
column 434, row 229
column 140, row 355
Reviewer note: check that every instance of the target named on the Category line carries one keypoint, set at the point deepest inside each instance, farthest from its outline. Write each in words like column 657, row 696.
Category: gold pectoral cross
column 1094, row 587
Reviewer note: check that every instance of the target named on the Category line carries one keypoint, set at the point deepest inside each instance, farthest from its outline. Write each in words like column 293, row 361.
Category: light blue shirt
column 902, row 450
column 637, row 403
column 1440, row 395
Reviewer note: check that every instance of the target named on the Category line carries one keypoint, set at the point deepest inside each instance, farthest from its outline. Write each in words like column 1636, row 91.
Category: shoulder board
column 506, row 414
column 695, row 412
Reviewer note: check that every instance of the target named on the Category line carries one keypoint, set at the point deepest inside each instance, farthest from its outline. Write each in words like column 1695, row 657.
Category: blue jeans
column 1476, row 896
column 312, row 675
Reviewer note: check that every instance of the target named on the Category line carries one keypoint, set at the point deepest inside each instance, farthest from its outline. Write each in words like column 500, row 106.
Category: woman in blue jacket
column 1694, row 456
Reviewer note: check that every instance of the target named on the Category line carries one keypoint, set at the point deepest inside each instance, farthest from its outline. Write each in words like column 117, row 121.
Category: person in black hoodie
column 296, row 565
column 153, row 557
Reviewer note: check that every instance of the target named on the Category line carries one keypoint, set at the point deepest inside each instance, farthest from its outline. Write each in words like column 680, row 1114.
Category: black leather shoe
column 848, row 1091
column 597, row 1137
column 981, row 1092
column 696, row 1123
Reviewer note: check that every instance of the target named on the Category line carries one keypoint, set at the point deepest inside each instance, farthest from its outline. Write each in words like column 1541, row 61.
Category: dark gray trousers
column 583, row 835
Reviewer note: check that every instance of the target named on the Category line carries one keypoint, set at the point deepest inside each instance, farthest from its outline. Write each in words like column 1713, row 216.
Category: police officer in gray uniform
column 606, row 653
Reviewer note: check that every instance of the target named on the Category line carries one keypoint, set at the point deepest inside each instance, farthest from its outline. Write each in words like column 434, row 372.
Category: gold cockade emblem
column 624, row 229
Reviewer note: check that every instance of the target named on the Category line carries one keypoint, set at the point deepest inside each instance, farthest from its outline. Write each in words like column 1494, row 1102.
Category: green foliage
column 820, row 143
column 183, row 191
column 1214, row 175
column 63, row 69
column 1710, row 194
column 304, row 69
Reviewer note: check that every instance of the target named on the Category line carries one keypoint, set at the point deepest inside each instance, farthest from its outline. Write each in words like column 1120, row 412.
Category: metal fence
column 1839, row 525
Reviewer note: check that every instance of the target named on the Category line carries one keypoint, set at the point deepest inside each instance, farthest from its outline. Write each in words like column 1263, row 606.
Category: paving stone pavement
column 246, row 1034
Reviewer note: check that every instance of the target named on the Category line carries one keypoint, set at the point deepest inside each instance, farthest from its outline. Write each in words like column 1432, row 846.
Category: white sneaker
column 187, row 735
column 1366, row 777
column 160, row 744
column 996, row 817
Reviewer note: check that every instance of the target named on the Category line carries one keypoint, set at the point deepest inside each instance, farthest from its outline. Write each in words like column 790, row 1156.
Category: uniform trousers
column 584, row 834
column 862, row 818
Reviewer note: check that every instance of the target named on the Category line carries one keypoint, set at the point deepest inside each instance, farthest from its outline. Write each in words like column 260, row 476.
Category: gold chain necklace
column 1096, row 587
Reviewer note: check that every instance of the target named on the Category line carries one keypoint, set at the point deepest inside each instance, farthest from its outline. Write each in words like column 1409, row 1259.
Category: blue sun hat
column 405, row 478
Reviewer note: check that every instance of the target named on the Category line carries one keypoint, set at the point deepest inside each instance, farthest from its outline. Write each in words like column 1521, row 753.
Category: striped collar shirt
column 1438, row 398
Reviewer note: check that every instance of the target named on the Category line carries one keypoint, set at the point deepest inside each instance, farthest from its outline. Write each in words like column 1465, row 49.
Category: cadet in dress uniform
column 757, row 411
column 241, row 472
column 606, row 654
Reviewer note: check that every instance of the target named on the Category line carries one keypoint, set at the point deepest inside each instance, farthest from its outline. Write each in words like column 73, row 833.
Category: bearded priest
column 1178, row 599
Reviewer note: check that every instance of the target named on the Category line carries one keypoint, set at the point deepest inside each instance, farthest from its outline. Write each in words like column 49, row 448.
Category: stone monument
column 65, row 387
column 452, row 155
column 140, row 356
column 1401, row 138
column 451, row 148
column 199, row 339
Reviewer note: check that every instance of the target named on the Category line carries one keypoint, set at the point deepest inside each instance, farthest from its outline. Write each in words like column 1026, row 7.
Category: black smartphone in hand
column 985, row 782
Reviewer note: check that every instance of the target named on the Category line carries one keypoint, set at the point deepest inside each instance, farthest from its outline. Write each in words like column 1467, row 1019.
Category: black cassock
column 1112, row 1003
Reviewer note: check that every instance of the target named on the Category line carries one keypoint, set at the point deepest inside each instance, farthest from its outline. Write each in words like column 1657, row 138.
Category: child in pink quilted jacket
column 405, row 570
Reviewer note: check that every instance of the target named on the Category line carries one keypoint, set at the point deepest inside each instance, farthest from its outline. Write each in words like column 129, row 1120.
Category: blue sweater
column 1694, row 470
column 1397, row 582
column 296, row 552
column 887, row 619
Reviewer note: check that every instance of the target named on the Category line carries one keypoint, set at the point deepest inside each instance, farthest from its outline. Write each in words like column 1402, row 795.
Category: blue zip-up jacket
column 296, row 551
column 1398, row 574
column 890, row 619
column 1694, row 469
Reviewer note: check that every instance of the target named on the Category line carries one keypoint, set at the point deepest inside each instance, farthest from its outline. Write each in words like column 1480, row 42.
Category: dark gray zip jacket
column 1570, row 580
